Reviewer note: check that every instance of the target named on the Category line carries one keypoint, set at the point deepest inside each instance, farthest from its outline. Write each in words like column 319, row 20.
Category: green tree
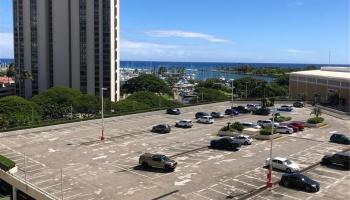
column 56, row 102
column 146, row 82
column 88, row 105
column 316, row 111
column 209, row 94
column 152, row 100
column 127, row 105
column 17, row 111
column 162, row 70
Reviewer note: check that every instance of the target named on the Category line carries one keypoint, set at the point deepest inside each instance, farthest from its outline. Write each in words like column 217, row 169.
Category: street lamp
column 103, row 125
column 269, row 174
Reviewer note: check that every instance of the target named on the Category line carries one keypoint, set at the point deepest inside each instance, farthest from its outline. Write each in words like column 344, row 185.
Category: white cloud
column 185, row 34
column 298, row 51
column 6, row 45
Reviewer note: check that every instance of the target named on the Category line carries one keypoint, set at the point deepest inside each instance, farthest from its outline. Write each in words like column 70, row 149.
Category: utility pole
column 102, row 110
column 231, row 92
column 71, row 111
column 61, row 184
column 25, row 171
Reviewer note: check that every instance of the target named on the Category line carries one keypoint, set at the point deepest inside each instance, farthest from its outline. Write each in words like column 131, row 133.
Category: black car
column 340, row 138
column 300, row 181
column 231, row 111
column 161, row 128
column 217, row 115
column 201, row 114
column 262, row 111
column 341, row 158
column 225, row 143
column 173, row 111
column 241, row 109
column 298, row 104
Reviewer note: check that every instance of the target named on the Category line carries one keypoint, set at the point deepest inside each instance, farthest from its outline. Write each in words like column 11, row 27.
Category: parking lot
column 109, row 170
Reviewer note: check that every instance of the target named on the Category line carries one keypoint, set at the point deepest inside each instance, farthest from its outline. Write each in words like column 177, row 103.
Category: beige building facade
column 329, row 85
column 72, row 43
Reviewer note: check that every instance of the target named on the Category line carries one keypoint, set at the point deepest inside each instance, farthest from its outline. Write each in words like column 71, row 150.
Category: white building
column 72, row 43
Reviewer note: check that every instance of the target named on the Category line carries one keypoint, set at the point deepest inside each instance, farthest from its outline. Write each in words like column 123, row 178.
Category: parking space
column 93, row 169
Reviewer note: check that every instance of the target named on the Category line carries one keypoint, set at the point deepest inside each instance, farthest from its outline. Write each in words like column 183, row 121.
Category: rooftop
column 328, row 72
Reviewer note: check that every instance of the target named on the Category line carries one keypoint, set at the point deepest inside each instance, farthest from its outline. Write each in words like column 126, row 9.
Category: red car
column 300, row 125
column 295, row 128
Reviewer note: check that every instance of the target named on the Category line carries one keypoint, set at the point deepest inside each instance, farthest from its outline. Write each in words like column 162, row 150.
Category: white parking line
column 202, row 196
column 244, row 183
column 291, row 197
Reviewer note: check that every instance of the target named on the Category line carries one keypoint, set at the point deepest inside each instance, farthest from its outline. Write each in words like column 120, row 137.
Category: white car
column 206, row 120
column 283, row 164
column 284, row 129
column 250, row 125
column 285, row 108
column 266, row 123
column 186, row 123
column 244, row 139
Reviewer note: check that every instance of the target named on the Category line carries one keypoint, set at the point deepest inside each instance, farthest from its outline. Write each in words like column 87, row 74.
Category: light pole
column 269, row 174
column 103, row 125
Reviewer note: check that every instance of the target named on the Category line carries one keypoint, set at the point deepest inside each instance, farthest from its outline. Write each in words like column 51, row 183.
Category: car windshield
column 165, row 158
column 305, row 178
column 288, row 162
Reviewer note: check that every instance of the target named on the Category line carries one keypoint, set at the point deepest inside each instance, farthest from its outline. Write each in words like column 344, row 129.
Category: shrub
column 315, row 120
column 6, row 164
column 209, row 94
column 266, row 131
column 233, row 127
column 152, row 100
column 129, row 106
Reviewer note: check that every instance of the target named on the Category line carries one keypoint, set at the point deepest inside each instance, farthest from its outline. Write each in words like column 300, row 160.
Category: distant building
column 329, row 85
column 72, row 43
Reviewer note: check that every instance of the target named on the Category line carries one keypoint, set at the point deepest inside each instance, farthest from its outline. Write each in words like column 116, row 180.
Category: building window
column 34, row 46
column 83, row 46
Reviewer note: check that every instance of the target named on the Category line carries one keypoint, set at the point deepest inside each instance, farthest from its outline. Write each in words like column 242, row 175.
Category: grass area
column 6, row 164
column 315, row 120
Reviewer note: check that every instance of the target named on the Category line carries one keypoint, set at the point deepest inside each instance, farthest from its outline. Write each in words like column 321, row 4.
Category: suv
column 298, row 104
column 243, row 139
column 225, row 143
column 341, row 158
column 266, row 123
column 340, row 138
column 285, row 108
column 241, row 109
column 200, row 114
column 161, row 128
column 284, row 129
column 206, row 120
column 217, row 115
column 173, row 111
column 231, row 111
column 250, row 125
column 184, row 123
column 262, row 111
column 157, row 161
column 299, row 181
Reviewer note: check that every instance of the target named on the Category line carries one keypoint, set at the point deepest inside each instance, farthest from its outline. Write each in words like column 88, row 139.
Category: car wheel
column 286, row 183
column 245, row 143
column 144, row 165
column 288, row 170
column 308, row 188
column 168, row 168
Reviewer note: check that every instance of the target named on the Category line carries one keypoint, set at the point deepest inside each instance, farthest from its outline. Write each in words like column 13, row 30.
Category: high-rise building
column 73, row 43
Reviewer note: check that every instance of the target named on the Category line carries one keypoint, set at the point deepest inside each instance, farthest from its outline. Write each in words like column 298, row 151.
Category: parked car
column 267, row 123
column 250, row 125
column 157, row 161
column 300, row 181
column 283, row 164
column 262, row 111
column 286, row 108
column 300, row 125
column 206, row 120
column 231, row 111
column 217, row 115
column 161, row 128
column 339, row 138
column 298, row 104
column 200, row 114
column 295, row 128
column 341, row 158
column 173, row 111
column 243, row 139
column 284, row 129
column 241, row 109
column 225, row 143
column 253, row 107
column 186, row 123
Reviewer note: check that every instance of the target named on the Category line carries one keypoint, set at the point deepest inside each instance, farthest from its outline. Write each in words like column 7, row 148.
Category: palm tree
column 316, row 111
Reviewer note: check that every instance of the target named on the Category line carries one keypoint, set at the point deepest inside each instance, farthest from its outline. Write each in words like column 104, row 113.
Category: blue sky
column 287, row 31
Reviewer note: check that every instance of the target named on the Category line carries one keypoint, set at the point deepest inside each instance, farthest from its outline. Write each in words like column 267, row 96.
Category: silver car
column 283, row 164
